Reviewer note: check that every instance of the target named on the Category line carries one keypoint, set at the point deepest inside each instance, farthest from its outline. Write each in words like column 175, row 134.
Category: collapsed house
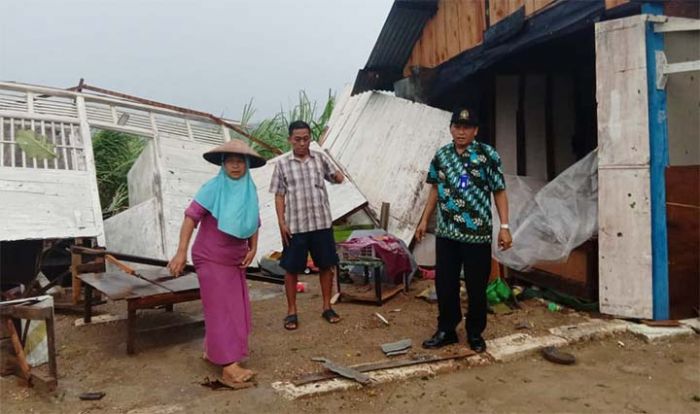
column 554, row 80
column 47, row 170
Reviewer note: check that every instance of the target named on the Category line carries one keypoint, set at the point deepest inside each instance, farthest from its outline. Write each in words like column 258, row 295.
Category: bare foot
column 236, row 373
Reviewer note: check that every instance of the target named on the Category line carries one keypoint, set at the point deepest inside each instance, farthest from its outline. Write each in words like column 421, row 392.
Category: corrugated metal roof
column 385, row 145
column 401, row 30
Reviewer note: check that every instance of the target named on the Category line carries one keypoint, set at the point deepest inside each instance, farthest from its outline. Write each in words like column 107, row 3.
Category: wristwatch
column 505, row 226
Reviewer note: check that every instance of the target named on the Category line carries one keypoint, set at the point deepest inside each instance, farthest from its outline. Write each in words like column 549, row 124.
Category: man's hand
column 421, row 230
column 505, row 241
column 248, row 259
column 338, row 177
column 285, row 234
column 177, row 264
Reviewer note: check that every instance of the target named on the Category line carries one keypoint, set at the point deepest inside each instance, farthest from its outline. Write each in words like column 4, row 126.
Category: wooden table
column 152, row 290
column 38, row 309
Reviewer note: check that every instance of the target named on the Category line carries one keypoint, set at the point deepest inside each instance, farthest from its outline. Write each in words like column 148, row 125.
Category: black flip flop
column 289, row 320
column 329, row 314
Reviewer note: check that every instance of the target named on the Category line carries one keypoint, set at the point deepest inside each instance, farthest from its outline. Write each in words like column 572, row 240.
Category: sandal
column 330, row 316
column 291, row 322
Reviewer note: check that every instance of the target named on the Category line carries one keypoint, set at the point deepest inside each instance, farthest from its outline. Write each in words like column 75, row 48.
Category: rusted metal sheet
column 119, row 286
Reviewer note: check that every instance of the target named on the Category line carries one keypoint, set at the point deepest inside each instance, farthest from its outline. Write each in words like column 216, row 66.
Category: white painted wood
column 624, row 242
column 623, row 121
column 182, row 171
column 506, row 111
column 535, row 123
column 142, row 177
column 136, row 231
column 624, row 218
column 90, row 168
column 384, row 136
column 677, row 24
column 43, row 204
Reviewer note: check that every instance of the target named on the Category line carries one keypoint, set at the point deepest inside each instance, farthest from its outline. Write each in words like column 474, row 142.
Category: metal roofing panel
column 386, row 144
column 400, row 32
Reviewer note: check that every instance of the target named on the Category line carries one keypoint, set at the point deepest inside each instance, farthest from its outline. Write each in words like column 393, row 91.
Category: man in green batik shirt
column 463, row 175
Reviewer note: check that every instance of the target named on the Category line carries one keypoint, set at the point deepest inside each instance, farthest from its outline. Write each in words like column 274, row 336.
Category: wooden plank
column 429, row 44
column 439, row 32
column 19, row 350
column 122, row 286
column 683, row 185
column 376, row 366
column 178, row 284
column 452, row 29
column 609, row 4
column 533, row 6
column 683, row 224
column 471, row 23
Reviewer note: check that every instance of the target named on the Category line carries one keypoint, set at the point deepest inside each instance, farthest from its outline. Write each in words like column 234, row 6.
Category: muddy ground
column 164, row 375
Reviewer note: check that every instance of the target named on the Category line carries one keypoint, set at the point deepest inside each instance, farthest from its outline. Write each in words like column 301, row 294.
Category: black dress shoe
column 440, row 339
column 477, row 345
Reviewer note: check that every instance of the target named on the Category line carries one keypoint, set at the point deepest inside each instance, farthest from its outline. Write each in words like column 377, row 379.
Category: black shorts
column 321, row 245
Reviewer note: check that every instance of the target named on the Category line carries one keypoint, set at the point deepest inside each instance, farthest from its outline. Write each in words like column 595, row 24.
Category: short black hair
column 298, row 125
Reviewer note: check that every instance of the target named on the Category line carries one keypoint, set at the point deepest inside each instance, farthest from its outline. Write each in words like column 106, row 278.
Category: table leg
column 130, row 327
column 169, row 308
column 87, row 314
column 51, row 342
column 378, row 285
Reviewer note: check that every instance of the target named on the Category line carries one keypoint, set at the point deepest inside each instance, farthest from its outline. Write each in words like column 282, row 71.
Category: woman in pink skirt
column 226, row 211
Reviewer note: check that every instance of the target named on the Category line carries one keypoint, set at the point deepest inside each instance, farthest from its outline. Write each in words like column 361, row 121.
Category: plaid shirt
column 301, row 182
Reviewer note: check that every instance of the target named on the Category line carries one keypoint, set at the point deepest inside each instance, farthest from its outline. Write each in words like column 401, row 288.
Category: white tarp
column 548, row 223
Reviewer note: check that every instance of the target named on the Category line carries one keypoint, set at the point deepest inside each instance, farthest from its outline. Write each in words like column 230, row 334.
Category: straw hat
column 235, row 146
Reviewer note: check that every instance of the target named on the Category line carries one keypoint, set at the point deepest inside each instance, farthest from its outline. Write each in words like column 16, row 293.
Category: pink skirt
column 226, row 305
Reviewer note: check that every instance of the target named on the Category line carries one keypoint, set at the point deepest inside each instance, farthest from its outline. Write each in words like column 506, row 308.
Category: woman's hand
column 177, row 263
column 248, row 259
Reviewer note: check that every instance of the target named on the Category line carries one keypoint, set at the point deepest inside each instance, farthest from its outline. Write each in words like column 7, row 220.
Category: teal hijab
column 234, row 203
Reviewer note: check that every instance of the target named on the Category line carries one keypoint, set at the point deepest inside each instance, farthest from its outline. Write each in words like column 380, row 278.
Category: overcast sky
column 210, row 55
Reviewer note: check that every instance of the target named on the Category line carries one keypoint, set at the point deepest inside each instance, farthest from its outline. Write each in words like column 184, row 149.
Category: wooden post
column 384, row 216
column 131, row 327
column 75, row 260
column 19, row 350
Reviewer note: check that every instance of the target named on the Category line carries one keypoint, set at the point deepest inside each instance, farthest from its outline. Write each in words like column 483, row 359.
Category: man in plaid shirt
column 304, row 217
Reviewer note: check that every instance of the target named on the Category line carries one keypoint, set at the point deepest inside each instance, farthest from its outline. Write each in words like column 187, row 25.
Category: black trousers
column 451, row 256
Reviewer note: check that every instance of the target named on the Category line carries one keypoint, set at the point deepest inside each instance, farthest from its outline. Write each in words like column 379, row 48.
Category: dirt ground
column 165, row 373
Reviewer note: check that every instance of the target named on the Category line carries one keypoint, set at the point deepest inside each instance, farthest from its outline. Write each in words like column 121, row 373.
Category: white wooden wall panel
column 136, row 231
column 624, row 242
column 386, row 144
column 142, row 176
column 623, row 120
column 625, row 272
column 182, row 173
column 46, row 204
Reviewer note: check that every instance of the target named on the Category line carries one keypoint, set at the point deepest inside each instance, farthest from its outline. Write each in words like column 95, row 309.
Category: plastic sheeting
column 548, row 223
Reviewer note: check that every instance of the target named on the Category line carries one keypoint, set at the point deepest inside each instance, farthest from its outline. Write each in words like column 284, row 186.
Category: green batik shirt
column 465, row 183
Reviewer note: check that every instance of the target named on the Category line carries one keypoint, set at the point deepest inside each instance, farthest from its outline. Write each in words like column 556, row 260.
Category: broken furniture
column 366, row 258
column 31, row 309
column 141, row 290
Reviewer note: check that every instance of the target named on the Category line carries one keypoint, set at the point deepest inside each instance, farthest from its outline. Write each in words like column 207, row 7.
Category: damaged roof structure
column 553, row 81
